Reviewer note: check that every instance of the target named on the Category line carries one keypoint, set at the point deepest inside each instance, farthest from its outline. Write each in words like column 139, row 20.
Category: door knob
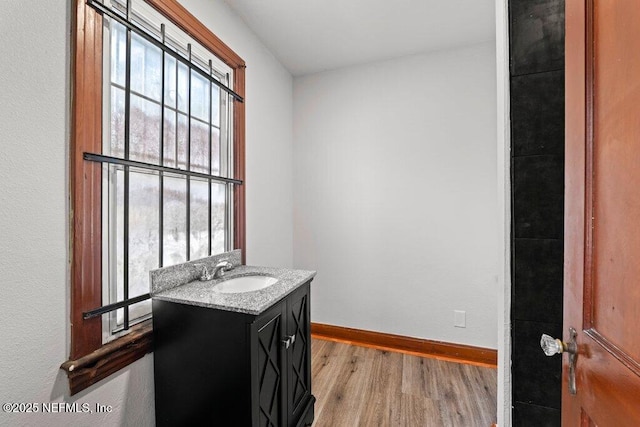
column 552, row 346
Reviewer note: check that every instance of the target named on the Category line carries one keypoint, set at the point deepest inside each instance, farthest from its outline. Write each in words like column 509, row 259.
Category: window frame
column 90, row 360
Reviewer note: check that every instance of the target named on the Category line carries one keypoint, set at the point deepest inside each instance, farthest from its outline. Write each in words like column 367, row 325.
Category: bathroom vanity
column 229, row 358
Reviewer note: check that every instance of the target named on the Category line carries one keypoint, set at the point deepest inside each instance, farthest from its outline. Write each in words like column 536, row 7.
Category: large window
column 157, row 167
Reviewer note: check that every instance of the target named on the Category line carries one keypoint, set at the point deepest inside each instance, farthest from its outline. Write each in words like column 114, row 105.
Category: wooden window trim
column 89, row 360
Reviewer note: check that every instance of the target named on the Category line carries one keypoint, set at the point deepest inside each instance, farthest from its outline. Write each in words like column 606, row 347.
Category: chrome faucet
column 220, row 268
column 218, row 271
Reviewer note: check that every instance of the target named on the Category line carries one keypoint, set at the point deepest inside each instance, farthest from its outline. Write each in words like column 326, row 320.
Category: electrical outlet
column 459, row 318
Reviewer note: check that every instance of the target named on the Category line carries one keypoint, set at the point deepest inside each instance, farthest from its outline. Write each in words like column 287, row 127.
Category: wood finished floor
column 359, row 386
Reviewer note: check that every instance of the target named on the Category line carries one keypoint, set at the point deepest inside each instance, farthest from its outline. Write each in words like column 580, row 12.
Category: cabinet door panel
column 299, row 353
column 270, row 375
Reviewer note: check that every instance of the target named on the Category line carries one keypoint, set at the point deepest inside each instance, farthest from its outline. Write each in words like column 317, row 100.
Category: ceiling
column 309, row 36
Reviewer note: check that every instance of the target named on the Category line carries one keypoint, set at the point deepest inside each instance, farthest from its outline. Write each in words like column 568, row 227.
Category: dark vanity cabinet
column 223, row 368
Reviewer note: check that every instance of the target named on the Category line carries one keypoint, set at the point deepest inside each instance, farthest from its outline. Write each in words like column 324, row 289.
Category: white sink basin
column 244, row 284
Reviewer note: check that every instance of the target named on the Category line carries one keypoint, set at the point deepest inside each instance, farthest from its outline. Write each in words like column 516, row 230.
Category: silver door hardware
column 552, row 346
column 290, row 339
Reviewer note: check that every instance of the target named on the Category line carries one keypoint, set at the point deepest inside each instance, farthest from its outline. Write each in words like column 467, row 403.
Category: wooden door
column 602, row 211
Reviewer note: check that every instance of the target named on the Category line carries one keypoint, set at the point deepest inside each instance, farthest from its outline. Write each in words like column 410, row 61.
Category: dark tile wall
column 538, row 273
column 535, row 102
column 526, row 415
column 537, row 36
column 536, row 377
column 537, row 182
column 538, row 196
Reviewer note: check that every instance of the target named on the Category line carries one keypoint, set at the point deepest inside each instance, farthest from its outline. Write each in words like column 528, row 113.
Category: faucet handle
column 204, row 271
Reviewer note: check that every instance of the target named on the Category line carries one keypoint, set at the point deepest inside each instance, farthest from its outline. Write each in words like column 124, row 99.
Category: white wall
column 269, row 136
column 395, row 194
column 34, row 303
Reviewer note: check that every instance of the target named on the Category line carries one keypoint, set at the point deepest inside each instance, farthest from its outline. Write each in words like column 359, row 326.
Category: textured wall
column 34, row 306
column 395, row 194
column 33, row 228
column 537, row 137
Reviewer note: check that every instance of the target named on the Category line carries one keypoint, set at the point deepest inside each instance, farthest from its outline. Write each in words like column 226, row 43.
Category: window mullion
column 127, row 136
column 161, row 154
column 188, row 225
column 210, row 211
column 229, row 172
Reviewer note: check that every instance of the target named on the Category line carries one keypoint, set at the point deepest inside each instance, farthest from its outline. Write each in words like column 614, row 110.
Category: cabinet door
column 269, row 360
column 298, row 354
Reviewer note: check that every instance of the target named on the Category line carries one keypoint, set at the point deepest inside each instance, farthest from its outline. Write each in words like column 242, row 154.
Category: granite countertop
column 180, row 284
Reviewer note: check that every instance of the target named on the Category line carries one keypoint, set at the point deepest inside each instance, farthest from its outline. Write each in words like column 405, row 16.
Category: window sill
column 109, row 358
